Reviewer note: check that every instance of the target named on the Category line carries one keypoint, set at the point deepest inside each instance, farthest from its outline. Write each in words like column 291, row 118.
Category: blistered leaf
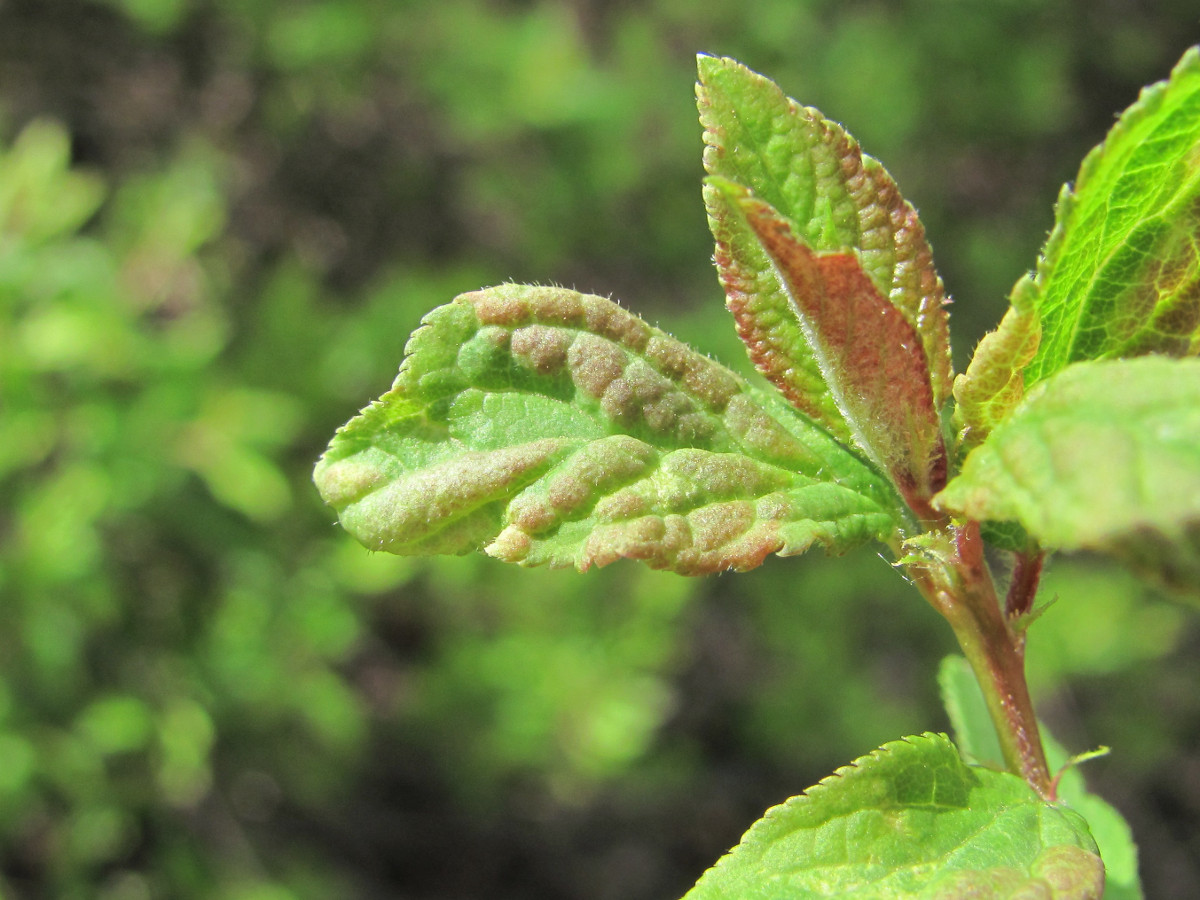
column 869, row 355
column 976, row 739
column 835, row 198
column 1120, row 273
column 547, row 426
column 1103, row 456
column 911, row 820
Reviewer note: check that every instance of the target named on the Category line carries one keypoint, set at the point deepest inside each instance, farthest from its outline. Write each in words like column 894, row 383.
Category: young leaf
column 993, row 384
column 835, row 198
column 869, row 355
column 976, row 739
column 1103, row 456
column 765, row 320
column 547, row 426
column 911, row 820
column 1120, row 273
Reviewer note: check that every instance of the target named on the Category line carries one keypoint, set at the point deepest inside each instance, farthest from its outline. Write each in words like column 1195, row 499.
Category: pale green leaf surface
column 41, row 196
column 976, row 738
column 1007, row 536
column 835, row 197
column 1120, row 273
column 911, row 820
column 551, row 427
column 994, row 384
column 1104, row 456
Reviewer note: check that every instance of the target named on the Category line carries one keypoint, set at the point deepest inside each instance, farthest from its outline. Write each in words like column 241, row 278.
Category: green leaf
column 976, row 738
column 869, row 355
column 547, row 426
column 1104, row 456
column 1008, row 536
column 911, row 820
column 835, row 198
column 1120, row 273
column 1108, row 827
column 41, row 196
column 986, row 394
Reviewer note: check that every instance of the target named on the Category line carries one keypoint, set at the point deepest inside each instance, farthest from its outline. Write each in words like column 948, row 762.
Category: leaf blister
column 993, row 385
column 587, row 449
column 1102, row 456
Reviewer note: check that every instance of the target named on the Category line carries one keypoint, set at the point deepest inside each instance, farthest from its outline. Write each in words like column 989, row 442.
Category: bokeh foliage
column 219, row 220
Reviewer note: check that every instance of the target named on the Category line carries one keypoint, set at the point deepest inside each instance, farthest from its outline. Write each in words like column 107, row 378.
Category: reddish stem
column 1026, row 574
column 961, row 588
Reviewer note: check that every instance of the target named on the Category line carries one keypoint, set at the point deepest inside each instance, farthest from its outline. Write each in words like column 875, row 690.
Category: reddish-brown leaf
column 869, row 354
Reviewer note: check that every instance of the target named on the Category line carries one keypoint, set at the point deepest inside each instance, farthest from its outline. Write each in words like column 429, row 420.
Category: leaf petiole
column 955, row 579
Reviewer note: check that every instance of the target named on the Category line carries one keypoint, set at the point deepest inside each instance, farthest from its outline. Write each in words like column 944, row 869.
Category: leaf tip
column 710, row 64
column 510, row 545
column 342, row 481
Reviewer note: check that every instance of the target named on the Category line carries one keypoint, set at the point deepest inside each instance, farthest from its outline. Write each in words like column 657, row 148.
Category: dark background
column 219, row 221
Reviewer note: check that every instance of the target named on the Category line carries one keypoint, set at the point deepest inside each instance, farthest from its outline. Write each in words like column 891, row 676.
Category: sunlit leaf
column 993, row 384
column 911, row 820
column 547, row 426
column 869, row 355
column 1104, row 456
column 835, row 198
column 1120, row 273
column 976, row 739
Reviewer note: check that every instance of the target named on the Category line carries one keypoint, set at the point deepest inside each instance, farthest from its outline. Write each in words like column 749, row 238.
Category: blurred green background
column 219, row 221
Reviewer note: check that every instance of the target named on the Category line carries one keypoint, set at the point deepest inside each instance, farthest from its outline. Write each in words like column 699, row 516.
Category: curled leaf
column 835, row 198
column 868, row 353
column 994, row 383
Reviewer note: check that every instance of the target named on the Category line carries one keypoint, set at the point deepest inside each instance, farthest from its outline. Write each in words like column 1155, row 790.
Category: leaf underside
column 1120, row 273
column 835, row 198
column 911, row 820
column 550, row 427
column 1103, row 456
